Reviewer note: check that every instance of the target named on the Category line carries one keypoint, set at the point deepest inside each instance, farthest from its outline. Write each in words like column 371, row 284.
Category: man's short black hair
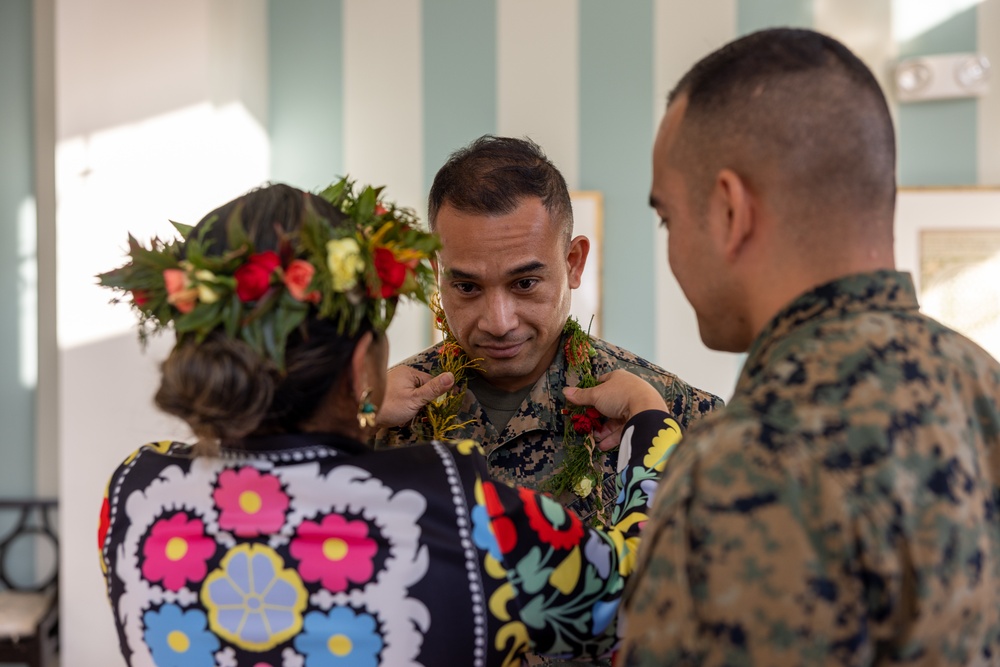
column 492, row 176
column 798, row 106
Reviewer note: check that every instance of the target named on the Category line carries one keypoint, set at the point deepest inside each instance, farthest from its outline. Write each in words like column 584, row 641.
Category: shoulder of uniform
column 422, row 360
column 611, row 357
column 619, row 357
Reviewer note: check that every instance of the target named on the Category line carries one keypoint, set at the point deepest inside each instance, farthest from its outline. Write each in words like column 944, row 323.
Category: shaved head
column 797, row 116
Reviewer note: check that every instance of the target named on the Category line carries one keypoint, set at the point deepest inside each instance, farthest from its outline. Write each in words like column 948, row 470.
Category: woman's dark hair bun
column 221, row 387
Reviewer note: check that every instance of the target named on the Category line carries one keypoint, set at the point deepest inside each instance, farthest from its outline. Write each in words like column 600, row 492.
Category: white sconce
column 942, row 77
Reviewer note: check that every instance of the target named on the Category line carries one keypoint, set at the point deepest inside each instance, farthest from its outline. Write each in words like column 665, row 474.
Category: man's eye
column 665, row 223
column 464, row 288
column 526, row 283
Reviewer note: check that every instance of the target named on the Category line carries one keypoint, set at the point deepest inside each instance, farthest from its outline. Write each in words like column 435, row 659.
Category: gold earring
column 366, row 411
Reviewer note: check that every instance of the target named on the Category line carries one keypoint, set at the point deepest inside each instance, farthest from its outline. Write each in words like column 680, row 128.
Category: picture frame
column 949, row 240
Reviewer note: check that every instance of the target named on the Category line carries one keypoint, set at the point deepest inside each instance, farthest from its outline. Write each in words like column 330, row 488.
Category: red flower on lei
column 254, row 277
column 586, row 421
column 554, row 525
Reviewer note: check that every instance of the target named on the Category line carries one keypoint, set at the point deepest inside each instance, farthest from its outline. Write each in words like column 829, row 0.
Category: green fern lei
column 439, row 418
column 583, row 459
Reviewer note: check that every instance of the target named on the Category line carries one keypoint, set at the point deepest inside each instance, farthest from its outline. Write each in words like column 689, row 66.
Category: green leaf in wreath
column 182, row 229
column 204, row 316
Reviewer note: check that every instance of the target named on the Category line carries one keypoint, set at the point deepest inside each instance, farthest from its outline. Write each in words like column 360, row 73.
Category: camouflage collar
column 863, row 292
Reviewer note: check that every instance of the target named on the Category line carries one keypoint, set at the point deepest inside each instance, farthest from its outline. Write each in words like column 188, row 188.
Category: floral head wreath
column 347, row 273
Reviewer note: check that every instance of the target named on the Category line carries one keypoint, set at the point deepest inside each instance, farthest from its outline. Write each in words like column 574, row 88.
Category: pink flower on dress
column 251, row 503
column 334, row 551
column 176, row 552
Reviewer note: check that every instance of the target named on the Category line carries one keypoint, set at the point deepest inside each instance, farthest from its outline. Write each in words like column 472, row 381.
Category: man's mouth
column 501, row 351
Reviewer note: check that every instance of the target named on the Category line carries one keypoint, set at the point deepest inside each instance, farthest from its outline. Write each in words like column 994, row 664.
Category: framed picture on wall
column 588, row 220
column 949, row 239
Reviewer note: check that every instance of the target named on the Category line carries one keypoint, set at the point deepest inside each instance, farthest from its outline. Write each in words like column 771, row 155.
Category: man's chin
column 505, row 373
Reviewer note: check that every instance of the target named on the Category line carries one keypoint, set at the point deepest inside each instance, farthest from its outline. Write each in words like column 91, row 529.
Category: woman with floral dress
column 279, row 537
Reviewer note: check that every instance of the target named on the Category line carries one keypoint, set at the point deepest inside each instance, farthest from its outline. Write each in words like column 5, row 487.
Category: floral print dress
column 313, row 550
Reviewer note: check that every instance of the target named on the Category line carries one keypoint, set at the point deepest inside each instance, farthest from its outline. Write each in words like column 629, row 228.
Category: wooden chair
column 29, row 613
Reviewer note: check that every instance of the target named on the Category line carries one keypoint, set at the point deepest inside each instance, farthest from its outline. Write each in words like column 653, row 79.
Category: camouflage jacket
column 843, row 509
column 530, row 449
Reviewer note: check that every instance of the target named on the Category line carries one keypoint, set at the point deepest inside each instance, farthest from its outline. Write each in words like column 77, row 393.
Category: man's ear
column 732, row 213
column 360, row 383
column 576, row 259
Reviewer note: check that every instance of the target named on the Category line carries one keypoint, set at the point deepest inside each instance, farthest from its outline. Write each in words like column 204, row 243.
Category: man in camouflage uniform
column 506, row 268
column 507, row 265
column 843, row 509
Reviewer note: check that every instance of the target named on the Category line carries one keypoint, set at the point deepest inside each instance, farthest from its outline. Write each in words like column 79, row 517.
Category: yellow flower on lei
column 343, row 256
column 584, row 487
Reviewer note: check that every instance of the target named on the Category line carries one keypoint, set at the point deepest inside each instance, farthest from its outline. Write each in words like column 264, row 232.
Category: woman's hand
column 407, row 390
column 619, row 396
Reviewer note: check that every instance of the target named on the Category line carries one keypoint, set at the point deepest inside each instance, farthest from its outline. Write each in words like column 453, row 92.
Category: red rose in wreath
column 254, row 277
column 391, row 272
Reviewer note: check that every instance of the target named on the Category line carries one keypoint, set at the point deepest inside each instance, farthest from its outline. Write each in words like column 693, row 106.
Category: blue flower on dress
column 481, row 533
column 598, row 553
column 253, row 601
column 179, row 638
column 649, row 488
column 602, row 614
column 339, row 638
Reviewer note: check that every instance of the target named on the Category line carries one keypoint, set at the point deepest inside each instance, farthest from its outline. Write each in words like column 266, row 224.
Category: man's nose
column 500, row 316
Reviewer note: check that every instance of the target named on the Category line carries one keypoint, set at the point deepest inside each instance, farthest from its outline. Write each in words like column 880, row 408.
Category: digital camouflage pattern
column 530, row 449
column 843, row 509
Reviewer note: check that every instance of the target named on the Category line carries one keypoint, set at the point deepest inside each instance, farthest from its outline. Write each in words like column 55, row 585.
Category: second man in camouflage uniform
column 843, row 508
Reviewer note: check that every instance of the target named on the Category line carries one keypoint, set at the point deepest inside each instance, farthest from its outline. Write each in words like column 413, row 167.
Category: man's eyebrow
column 653, row 202
column 459, row 274
column 528, row 267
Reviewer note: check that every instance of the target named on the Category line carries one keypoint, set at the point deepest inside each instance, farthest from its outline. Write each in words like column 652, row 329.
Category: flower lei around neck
column 439, row 418
column 582, row 471
column 345, row 272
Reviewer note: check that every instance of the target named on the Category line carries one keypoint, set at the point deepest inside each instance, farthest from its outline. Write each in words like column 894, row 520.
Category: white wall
column 161, row 115
column 685, row 32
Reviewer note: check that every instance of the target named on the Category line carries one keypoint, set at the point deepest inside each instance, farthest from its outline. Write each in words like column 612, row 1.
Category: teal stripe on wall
column 937, row 140
column 306, row 116
column 616, row 140
column 752, row 15
column 17, row 254
column 459, row 76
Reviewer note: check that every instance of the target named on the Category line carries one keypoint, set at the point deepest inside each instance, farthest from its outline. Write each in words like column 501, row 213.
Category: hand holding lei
column 439, row 418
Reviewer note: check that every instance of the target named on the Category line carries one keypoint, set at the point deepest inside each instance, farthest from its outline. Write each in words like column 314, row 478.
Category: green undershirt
column 498, row 405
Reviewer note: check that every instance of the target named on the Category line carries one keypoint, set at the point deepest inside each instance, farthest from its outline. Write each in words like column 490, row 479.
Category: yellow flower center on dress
column 250, row 502
column 335, row 548
column 339, row 645
column 178, row 641
column 177, row 548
